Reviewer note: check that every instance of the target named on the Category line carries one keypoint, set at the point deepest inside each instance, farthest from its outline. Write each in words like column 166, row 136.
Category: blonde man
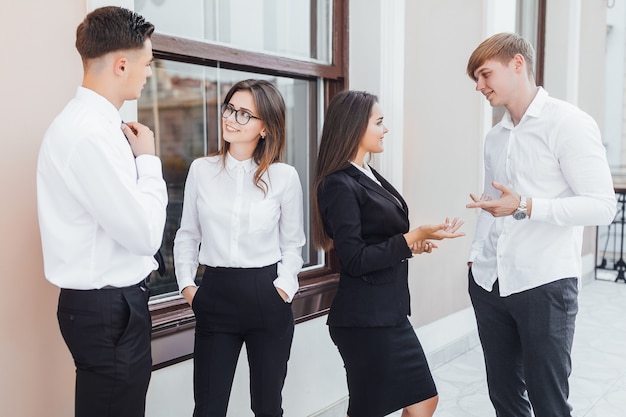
column 546, row 176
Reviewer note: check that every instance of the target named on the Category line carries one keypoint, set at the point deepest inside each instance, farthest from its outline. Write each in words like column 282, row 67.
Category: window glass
column 180, row 104
column 289, row 28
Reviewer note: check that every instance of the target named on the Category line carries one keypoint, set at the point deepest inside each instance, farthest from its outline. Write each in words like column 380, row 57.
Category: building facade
column 411, row 53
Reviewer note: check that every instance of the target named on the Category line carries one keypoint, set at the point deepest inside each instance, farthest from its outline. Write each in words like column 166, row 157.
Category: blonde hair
column 501, row 47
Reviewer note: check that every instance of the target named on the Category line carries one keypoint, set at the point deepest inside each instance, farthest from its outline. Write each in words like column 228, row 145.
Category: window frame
column 173, row 320
column 541, row 41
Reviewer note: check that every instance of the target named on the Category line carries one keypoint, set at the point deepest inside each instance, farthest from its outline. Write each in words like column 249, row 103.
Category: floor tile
column 598, row 381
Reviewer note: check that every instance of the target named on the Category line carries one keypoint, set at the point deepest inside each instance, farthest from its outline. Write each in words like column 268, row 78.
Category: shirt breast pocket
column 264, row 216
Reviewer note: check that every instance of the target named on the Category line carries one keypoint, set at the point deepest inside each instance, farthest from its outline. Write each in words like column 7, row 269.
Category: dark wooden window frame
column 541, row 40
column 173, row 321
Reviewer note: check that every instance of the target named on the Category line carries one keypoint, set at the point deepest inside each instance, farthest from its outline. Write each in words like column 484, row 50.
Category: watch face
column 519, row 214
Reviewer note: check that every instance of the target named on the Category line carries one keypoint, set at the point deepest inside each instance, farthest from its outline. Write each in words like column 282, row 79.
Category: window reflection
column 290, row 28
column 181, row 104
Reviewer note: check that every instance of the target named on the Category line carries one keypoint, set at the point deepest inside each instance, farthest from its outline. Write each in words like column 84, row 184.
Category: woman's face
column 242, row 134
column 372, row 140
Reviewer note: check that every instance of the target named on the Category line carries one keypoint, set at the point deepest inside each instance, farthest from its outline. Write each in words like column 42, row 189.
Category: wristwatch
column 521, row 211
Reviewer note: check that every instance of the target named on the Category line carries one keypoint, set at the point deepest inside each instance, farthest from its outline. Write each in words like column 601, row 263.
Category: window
column 181, row 104
column 287, row 28
column 201, row 48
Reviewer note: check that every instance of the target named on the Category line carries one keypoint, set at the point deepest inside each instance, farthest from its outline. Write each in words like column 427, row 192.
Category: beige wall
column 442, row 144
column 40, row 71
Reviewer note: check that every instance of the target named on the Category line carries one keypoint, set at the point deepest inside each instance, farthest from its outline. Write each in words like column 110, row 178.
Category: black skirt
column 386, row 368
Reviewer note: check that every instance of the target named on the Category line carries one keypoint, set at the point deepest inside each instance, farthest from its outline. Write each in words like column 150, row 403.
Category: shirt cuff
column 148, row 165
column 286, row 282
column 185, row 276
column 540, row 210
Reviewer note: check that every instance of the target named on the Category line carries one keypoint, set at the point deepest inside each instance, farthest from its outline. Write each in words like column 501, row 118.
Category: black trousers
column 527, row 342
column 108, row 333
column 235, row 306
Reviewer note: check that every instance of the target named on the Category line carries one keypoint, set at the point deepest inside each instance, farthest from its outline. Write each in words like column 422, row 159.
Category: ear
column 120, row 65
column 263, row 132
column 519, row 62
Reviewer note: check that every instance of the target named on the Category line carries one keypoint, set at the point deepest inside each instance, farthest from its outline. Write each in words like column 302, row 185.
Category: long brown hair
column 270, row 106
column 345, row 124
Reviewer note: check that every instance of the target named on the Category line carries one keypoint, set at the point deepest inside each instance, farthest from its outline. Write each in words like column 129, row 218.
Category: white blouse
column 227, row 221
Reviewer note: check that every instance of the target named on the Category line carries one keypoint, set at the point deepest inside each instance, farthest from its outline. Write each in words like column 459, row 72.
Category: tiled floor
column 598, row 381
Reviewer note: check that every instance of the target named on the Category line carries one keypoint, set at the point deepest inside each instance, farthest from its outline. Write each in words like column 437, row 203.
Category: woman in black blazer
column 365, row 219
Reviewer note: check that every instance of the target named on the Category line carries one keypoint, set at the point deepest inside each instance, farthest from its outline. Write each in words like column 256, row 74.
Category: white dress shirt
column 101, row 210
column 554, row 156
column 228, row 222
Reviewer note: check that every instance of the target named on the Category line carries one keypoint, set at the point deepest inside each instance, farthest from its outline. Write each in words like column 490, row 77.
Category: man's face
column 139, row 70
column 496, row 81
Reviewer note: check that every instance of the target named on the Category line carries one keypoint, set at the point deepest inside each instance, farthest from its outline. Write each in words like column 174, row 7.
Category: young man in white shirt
column 546, row 176
column 101, row 202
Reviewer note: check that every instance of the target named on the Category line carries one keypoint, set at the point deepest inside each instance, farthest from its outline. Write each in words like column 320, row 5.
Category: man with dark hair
column 546, row 176
column 101, row 202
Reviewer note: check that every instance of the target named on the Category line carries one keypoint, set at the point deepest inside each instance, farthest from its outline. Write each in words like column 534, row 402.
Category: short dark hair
column 109, row 29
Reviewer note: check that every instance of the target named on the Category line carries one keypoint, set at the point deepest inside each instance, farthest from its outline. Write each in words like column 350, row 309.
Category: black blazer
column 367, row 223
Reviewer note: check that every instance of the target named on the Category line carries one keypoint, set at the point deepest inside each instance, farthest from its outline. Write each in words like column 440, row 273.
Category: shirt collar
column 232, row 163
column 533, row 110
column 101, row 104
column 367, row 171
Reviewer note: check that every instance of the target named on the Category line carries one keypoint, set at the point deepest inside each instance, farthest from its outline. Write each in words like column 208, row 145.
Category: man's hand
column 505, row 205
column 140, row 138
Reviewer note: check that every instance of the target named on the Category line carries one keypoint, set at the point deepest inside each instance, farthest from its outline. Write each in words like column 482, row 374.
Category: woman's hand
column 189, row 293
column 447, row 230
column 422, row 246
column 282, row 294
column 424, row 233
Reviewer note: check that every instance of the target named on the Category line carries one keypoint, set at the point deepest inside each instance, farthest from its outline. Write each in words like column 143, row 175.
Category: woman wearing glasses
column 242, row 218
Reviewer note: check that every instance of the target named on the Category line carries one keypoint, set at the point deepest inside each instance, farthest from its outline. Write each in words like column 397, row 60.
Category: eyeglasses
column 241, row 116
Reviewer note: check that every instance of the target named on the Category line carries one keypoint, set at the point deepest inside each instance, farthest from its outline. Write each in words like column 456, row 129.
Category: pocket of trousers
column 120, row 318
column 78, row 329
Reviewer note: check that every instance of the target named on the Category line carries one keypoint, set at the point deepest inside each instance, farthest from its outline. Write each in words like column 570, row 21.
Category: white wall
column 614, row 86
column 575, row 56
